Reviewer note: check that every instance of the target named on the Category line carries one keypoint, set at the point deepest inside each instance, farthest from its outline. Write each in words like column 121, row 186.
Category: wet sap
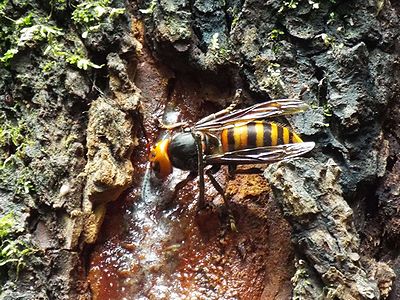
column 155, row 247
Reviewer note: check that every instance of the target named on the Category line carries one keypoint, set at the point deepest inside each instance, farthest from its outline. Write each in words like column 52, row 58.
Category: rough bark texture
column 68, row 135
column 68, row 160
column 324, row 232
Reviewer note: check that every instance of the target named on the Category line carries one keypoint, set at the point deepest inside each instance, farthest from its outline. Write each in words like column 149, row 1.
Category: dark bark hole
column 371, row 199
column 170, row 88
column 391, row 161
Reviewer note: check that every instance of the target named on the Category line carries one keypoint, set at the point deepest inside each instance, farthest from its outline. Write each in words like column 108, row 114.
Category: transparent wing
column 275, row 108
column 261, row 155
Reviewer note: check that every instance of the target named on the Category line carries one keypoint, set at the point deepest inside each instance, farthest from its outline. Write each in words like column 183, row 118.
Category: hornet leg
column 200, row 170
column 231, row 171
column 219, row 189
column 171, row 126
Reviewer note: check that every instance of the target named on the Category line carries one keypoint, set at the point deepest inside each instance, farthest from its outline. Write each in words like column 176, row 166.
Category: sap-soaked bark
column 312, row 201
column 343, row 58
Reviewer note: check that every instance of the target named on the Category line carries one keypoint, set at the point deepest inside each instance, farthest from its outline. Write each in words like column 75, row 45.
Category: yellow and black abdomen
column 256, row 134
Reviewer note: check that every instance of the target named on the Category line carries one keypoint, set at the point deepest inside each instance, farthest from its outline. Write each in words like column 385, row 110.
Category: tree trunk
column 84, row 86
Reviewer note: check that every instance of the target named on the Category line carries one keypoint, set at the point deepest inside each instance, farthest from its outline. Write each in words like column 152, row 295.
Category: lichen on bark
column 49, row 54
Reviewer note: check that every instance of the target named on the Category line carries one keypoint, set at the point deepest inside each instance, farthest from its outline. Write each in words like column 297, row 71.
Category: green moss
column 54, row 46
column 39, row 33
column 328, row 110
column 332, row 18
column 59, row 5
column 91, row 15
column 48, row 66
column 275, row 34
column 77, row 58
column 6, row 224
column 81, row 61
column 15, row 139
column 150, row 9
column 8, row 55
column 13, row 251
column 292, row 4
column 301, row 282
column 271, row 77
column 68, row 140
column 24, row 21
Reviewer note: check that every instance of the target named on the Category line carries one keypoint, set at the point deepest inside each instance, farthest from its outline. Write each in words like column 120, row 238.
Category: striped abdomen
column 256, row 134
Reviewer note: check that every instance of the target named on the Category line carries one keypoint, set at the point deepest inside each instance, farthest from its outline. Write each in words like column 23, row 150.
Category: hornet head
column 159, row 159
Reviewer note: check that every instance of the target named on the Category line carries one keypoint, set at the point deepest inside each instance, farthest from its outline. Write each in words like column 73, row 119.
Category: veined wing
column 261, row 155
column 258, row 111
